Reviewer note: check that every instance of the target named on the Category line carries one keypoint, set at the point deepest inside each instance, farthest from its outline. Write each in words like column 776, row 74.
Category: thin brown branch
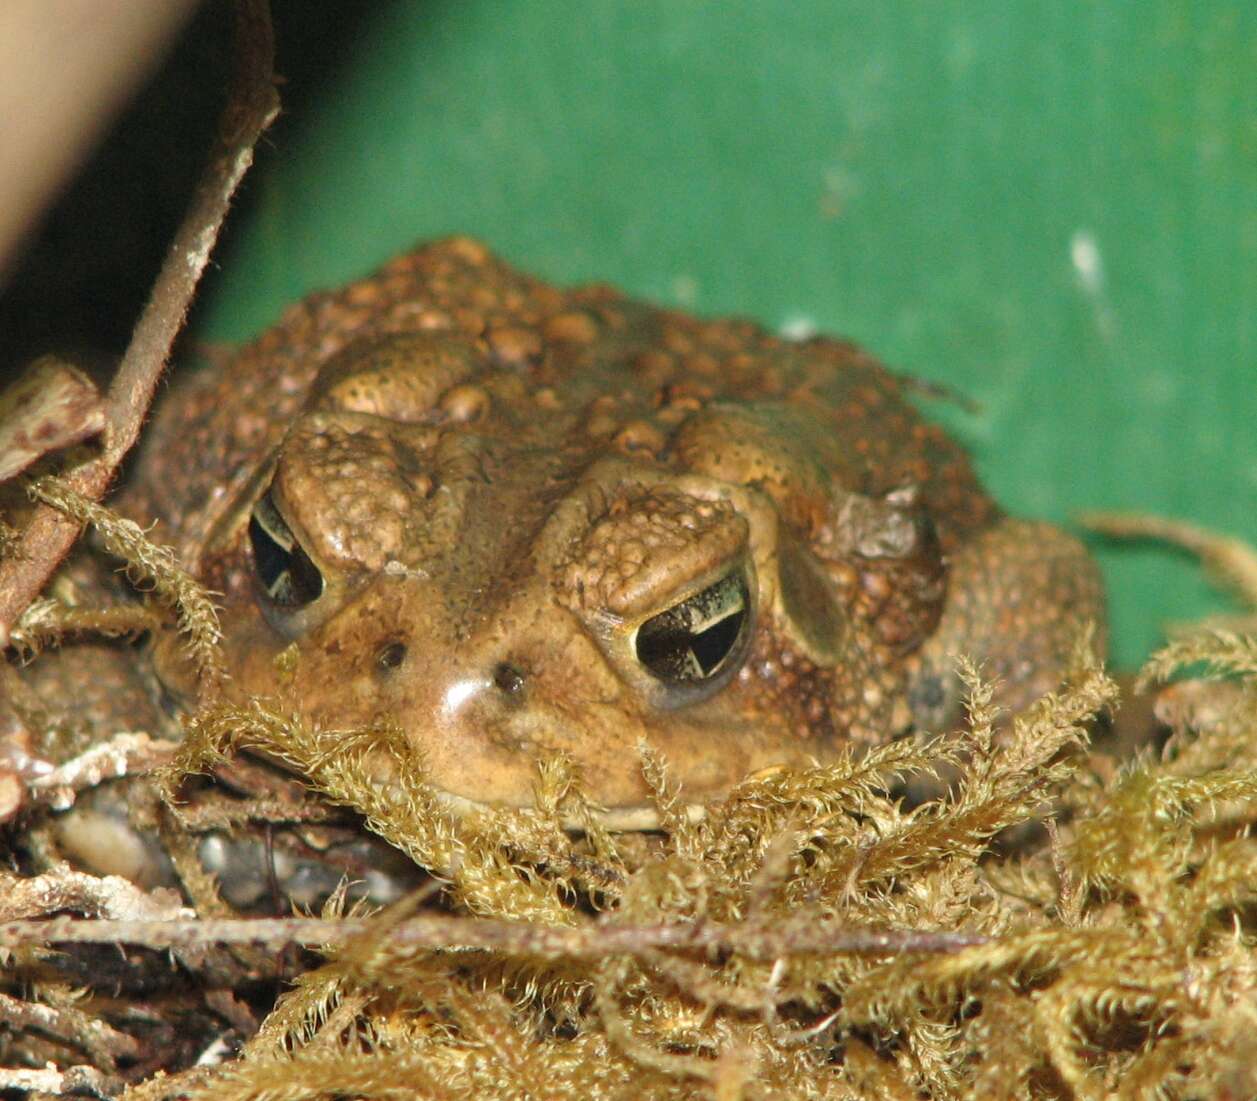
column 214, row 811
column 1230, row 562
column 251, row 106
column 766, row 941
column 125, row 754
column 94, row 1037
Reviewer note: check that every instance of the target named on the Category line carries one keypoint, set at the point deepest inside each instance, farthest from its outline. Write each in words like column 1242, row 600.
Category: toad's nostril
column 508, row 679
column 391, row 655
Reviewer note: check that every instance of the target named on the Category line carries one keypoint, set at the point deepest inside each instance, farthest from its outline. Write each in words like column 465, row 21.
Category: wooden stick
column 252, row 104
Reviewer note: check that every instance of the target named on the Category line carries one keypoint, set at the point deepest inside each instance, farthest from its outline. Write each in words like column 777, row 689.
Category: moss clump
column 1049, row 922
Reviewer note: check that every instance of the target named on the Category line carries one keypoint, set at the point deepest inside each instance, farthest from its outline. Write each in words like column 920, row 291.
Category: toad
column 517, row 521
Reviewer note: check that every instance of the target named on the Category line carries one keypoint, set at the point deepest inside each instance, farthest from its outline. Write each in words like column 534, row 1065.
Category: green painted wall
column 1049, row 206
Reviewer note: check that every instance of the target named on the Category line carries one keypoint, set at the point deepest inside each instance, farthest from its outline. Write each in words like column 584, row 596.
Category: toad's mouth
column 632, row 818
column 638, row 819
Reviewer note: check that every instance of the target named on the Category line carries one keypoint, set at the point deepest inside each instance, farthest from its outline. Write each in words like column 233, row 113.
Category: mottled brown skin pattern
column 498, row 482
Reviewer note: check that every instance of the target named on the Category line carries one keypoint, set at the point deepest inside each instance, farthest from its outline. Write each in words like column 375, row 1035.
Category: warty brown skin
column 492, row 485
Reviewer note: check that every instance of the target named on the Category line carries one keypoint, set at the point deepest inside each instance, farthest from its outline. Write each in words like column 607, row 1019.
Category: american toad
column 517, row 521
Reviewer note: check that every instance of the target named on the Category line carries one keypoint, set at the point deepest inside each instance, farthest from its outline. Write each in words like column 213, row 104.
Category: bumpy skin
column 493, row 484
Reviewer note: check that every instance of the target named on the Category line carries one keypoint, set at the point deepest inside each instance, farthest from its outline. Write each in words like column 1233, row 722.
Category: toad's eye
column 702, row 639
column 289, row 576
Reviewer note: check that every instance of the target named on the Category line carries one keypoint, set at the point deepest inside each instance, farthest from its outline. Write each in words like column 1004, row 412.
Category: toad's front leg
column 1019, row 597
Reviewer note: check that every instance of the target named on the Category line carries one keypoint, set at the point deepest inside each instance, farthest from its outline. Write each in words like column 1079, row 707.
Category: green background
column 1051, row 207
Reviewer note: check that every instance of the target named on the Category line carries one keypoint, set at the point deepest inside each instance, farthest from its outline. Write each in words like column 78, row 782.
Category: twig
column 51, row 1080
column 125, row 754
column 215, row 811
column 251, row 106
column 53, row 405
column 95, row 1037
column 64, row 889
column 766, row 941
column 1231, row 562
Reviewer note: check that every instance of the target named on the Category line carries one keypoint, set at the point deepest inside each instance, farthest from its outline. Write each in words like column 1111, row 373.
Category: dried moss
column 1055, row 923
column 148, row 565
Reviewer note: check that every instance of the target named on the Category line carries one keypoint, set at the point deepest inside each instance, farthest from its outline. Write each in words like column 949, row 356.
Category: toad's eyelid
column 695, row 646
column 287, row 574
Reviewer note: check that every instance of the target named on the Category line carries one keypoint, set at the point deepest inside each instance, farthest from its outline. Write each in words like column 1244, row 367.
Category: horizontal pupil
column 690, row 641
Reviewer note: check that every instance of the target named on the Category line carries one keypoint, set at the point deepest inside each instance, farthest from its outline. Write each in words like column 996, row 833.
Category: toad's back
column 626, row 372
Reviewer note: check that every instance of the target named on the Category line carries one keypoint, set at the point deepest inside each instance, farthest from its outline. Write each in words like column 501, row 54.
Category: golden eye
column 288, row 575
column 701, row 639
